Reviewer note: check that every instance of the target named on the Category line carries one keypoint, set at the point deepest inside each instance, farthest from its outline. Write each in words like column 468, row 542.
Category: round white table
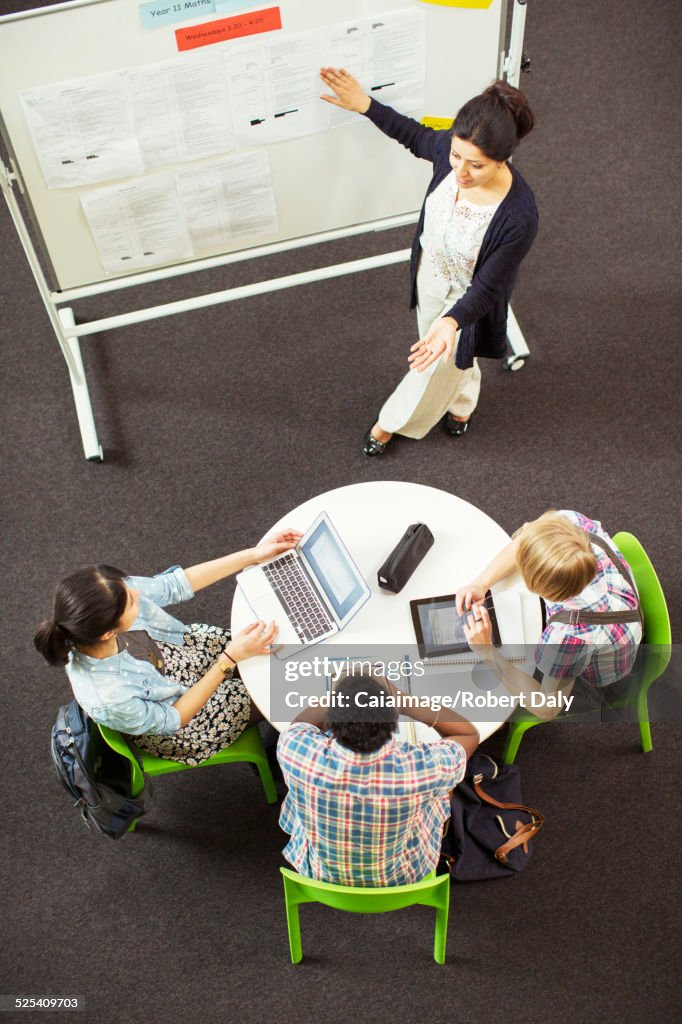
column 371, row 518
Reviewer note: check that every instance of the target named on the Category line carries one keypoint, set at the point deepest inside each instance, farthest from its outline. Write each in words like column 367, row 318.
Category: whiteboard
column 350, row 175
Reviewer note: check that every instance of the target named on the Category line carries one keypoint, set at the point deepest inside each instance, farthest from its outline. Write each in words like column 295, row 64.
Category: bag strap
column 575, row 616
column 520, row 838
column 522, row 834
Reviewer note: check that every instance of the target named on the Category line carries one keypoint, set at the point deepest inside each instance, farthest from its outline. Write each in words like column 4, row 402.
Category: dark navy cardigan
column 481, row 313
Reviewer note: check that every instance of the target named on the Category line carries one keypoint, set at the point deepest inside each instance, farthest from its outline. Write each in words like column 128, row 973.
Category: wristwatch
column 226, row 664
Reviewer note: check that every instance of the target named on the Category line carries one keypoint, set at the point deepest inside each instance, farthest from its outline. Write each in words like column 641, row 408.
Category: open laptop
column 311, row 592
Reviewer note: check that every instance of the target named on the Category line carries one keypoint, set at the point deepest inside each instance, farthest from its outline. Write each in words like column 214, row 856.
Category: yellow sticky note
column 482, row 5
column 439, row 123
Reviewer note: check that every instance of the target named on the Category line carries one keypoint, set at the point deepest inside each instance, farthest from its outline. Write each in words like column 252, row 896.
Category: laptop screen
column 335, row 573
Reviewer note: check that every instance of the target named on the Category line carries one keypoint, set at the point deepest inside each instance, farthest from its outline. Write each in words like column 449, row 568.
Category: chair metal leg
column 267, row 780
column 643, row 719
column 441, row 935
column 643, row 712
column 645, row 736
column 294, row 928
column 516, row 732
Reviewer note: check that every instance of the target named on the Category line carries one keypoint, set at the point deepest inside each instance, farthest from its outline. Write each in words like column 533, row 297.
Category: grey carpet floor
column 216, row 423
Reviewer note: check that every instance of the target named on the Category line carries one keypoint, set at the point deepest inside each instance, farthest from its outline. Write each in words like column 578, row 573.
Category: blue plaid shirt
column 365, row 819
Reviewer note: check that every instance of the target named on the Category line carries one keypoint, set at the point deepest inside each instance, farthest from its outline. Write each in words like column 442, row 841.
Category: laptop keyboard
column 306, row 612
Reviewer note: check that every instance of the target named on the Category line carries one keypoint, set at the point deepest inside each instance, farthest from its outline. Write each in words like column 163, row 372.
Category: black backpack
column 93, row 773
column 489, row 833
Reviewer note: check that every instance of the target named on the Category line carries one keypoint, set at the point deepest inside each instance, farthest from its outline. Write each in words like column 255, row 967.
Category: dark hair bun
column 516, row 103
column 495, row 120
column 51, row 643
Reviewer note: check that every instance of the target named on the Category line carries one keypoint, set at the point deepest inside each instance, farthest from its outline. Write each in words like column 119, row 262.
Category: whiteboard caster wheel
column 514, row 363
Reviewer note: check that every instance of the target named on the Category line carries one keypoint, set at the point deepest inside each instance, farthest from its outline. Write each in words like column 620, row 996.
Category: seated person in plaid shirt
column 363, row 807
column 561, row 558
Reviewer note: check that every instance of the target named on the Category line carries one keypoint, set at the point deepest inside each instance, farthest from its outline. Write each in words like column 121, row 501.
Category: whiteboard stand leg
column 62, row 320
column 513, row 63
column 515, row 60
column 81, row 395
column 517, row 343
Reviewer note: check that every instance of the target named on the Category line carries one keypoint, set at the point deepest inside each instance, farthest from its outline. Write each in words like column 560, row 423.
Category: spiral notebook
column 440, row 629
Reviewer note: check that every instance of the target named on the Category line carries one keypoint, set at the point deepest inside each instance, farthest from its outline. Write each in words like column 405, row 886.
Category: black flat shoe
column 456, row 428
column 371, row 446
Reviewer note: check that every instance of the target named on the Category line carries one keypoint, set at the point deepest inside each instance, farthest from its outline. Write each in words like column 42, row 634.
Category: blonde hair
column 554, row 557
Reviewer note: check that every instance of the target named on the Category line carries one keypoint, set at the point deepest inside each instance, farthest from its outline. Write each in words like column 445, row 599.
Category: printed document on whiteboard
column 137, row 224
column 228, row 199
column 182, row 109
column 83, row 131
column 398, row 59
column 274, row 90
column 347, row 46
column 387, row 55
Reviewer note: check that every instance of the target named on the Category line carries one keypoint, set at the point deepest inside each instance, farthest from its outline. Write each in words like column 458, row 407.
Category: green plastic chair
column 652, row 659
column 433, row 891
column 248, row 747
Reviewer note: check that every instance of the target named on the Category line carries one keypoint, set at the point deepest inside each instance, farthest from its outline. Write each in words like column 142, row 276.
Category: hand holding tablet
column 441, row 628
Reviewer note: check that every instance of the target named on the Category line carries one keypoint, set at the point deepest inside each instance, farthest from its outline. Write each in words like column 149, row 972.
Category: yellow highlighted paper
column 439, row 123
column 482, row 5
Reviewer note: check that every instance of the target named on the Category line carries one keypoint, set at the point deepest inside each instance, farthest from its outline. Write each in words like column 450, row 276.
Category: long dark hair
column 495, row 121
column 87, row 603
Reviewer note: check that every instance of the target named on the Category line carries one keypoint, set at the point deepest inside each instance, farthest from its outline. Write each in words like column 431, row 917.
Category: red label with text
column 247, row 24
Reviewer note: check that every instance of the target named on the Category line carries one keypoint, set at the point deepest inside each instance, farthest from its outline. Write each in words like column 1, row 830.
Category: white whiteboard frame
column 63, row 319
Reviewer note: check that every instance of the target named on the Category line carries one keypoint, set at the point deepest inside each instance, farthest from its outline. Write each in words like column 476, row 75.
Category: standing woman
column 135, row 668
column 477, row 223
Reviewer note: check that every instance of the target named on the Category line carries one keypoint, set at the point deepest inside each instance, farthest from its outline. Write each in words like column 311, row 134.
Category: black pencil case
column 405, row 557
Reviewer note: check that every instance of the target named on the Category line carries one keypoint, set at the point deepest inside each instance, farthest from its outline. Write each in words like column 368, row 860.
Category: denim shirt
column 123, row 692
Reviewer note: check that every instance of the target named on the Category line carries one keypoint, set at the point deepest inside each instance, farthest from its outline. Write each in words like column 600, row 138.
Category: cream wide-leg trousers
column 421, row 399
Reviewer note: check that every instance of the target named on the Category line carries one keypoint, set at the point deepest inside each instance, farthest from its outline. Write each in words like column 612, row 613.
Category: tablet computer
column 440, row 629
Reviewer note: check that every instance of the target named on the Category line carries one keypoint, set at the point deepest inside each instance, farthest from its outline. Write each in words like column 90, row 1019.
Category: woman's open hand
column 348, row 93
column 251, row 641
column 439, row 340
column 273, row 546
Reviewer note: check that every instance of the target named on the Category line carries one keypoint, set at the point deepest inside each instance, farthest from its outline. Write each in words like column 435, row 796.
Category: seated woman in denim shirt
column 134, row 667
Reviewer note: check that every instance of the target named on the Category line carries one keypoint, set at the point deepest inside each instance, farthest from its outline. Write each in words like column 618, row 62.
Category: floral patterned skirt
column 221, row 720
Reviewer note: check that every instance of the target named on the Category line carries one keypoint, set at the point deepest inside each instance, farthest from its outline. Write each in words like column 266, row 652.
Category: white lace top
column 453, row 231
